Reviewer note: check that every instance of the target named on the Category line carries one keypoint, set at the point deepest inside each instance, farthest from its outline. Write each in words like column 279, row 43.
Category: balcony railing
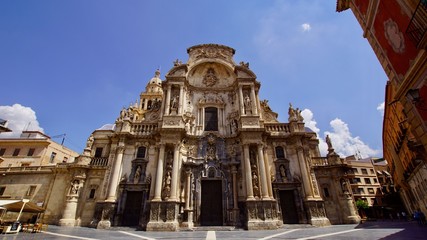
column 418, row 25
column 278, row 128
column 143, row 129
column 319, row 161
column 99, row 161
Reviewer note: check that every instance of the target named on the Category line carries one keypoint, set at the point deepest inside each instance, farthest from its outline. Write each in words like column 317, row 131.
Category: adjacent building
column 396, row 30
column 28, row 169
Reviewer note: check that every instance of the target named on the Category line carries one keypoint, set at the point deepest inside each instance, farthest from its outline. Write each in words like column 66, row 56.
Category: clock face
column 394, row 36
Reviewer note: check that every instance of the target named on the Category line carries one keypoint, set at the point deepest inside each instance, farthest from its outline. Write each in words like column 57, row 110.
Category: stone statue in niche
column 233, row 126
column 167, row 185
column 248, row 104
column 75, row 187
column 255, row 183
column 174, row 103
column 137, row 175
column 283, row 174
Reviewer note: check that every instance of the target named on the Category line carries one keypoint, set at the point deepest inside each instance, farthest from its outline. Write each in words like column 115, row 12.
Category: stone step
column 215, row 228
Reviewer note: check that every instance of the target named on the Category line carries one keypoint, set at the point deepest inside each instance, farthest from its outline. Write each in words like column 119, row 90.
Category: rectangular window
column 31, row 190
column 371, row 191
column 326, row 192
column 2, row 151
column 372, row 171
column 367, row 181
column 141, row 152
column 2, row 189
column 360, row 190
column 98, row 152
column 375, row 180
column 211, row 119
column 355, row 170
column 31, row 152
column 364, row 171
column 65, row 160
column 92, row 193
column 25, row 164
column 16, row 152
column 52, row 157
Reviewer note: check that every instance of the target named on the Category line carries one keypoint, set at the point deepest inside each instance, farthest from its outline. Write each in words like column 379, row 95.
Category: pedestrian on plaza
column 391, row 216
column 398, row 216
column 422, row 218
column 404, row 216
column 417, row 217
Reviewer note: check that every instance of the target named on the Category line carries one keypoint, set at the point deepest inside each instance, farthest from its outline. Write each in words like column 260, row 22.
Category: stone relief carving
column 211, row 148
column 212, row 52
column 210, row 78
column 394, row 36
column 211, row 98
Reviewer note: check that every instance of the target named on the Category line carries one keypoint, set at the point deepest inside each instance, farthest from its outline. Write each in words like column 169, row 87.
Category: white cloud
column 380, row 108
column 305, row 27
column 19, row 118
column 342, row 140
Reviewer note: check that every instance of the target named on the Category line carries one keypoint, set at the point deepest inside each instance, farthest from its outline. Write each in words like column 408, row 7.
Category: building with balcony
column 363, row 180
column 199, row 149
column 396, row 30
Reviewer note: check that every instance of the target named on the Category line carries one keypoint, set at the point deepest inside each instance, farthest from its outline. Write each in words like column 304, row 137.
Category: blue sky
column 70, row 66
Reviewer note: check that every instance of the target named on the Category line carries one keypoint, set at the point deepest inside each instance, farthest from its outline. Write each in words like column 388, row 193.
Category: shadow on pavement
column 409, row 229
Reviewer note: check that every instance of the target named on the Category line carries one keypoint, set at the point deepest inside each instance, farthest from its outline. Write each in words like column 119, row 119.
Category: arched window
column 141, row 152
column 211, row 119
column 280, row 153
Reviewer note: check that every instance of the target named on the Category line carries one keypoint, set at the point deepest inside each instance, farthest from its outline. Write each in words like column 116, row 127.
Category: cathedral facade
column 199, row 148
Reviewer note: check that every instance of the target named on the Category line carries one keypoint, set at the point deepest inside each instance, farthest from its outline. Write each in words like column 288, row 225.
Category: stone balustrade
column 277, row 128
column 319, row 161
column 143, row 128
column 99, row 161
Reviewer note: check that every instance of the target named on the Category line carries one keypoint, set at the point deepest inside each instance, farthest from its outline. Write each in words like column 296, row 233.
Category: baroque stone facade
column 198, row 149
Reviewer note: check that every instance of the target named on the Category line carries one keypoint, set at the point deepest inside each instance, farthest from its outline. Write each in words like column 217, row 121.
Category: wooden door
column 289, row 209
column 131, row 213
column 211, row 203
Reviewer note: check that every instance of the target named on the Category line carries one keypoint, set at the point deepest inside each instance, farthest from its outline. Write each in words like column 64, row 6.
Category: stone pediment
column 179, row 70
column 243, row 71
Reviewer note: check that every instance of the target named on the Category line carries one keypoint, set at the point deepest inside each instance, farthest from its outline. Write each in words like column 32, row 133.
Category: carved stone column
column 304, row 173
column 168, row 100
column 181, row 99
column 115, row 173
column 248, row 174
column 175, row 168
column 189, row 223
column 254, row 101
column 242, row 103
column 159, row 174
column 235, row 204
column 264, row 186
column 267, row 172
